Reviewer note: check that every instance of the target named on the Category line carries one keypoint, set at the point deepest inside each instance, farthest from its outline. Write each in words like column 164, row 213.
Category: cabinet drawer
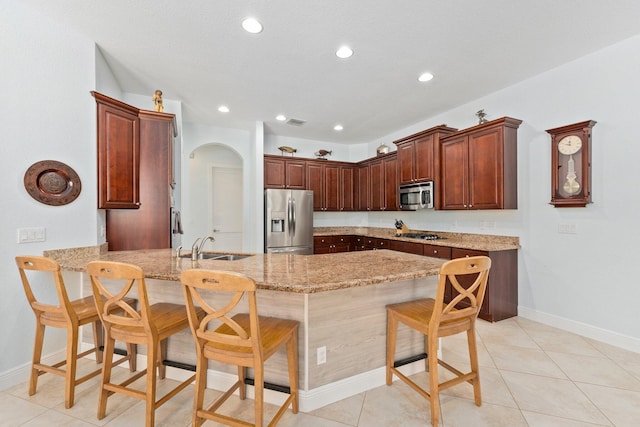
column 437, row 251
column 323, row 240
column 376, row 243
column 462, row 253
column 408, row 247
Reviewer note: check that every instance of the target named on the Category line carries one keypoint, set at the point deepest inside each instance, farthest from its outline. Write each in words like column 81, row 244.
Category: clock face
column 570, row 145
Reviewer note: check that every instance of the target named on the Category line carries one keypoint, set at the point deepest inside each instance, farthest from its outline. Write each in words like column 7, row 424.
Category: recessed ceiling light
column 223, row 109
column 338, row 127
column 251, row 25
column 344, row 52
column 281, row 117
column 425, row 77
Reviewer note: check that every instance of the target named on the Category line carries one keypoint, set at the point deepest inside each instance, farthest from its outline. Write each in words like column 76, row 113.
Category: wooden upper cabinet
column 148, row 227
column 376, row 185
column 324, row 180
column 391, row 202
column 348, row 181
column 281, row 172
column 118, row 136
column 135, row 174
column 418, row 154
column 406, row 163
column 454, row 184
column 274, row 173
column 364, row 202
column 479, row 167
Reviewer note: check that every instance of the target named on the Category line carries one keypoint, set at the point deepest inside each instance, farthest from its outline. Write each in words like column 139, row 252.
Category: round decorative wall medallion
column 52, row 183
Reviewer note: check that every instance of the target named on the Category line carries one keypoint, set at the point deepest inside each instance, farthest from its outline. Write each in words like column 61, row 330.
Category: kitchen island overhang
column 339, row 300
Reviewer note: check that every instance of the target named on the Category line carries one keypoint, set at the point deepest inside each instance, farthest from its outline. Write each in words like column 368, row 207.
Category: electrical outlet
column 566, row 228
column 322, row 355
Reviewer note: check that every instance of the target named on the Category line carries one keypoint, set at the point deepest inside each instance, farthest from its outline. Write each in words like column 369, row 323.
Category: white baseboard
column 310, row 400
column 21, row 373
column 613, row 338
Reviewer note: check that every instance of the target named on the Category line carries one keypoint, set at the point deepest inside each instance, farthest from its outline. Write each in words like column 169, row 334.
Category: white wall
column 47, row 114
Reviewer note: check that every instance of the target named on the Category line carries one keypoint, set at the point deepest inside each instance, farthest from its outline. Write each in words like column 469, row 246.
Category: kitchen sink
column 218, row 256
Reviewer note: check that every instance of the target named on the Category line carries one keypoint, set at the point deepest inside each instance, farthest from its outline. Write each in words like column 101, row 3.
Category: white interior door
column 225, row 208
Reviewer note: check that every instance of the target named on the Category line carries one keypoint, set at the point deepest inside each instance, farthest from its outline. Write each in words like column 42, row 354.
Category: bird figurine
column 322, row 153
column 481, row 116
column 286, row 149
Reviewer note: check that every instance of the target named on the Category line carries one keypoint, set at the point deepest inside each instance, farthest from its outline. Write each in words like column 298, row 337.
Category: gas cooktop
column 423, row 236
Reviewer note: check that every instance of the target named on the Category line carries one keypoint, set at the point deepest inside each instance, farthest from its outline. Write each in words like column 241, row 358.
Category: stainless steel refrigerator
column 288, row 221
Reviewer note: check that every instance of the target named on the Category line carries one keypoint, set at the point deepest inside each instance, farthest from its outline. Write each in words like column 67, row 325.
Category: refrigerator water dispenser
column 277, row 222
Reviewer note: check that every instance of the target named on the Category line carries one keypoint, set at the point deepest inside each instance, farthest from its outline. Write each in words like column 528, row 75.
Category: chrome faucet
column 204, row 240
column 196, row 251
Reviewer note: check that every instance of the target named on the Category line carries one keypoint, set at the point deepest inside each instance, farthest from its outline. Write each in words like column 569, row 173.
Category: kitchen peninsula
column 339, row 300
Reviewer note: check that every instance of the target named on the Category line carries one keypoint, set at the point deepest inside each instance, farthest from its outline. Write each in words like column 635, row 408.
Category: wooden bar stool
column 434, row 318
column 245, row 340
column 151, row 325
column 69, row 315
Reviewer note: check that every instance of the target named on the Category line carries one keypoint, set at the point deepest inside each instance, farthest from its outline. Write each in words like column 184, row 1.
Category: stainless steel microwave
column 416, row 196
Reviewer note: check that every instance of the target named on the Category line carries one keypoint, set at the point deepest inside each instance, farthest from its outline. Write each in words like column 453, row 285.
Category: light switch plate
column 567, row 228
column 31, row 234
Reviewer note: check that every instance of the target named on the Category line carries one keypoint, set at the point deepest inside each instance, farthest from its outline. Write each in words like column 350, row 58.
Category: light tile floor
column 531, row 375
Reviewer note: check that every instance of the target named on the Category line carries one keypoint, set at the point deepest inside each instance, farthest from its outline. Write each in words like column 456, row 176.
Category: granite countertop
column 300, row 273
column 479, row 242
column 278, row 272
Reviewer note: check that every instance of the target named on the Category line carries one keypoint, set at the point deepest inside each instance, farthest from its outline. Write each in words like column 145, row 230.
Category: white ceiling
column 196, row 52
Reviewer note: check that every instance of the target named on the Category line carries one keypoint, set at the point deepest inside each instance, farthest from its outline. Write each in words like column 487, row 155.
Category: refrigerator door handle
column 293, row 215
column 289, row 216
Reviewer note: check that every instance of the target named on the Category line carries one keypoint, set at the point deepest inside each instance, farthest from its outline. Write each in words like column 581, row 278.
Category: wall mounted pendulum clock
column 571, row 165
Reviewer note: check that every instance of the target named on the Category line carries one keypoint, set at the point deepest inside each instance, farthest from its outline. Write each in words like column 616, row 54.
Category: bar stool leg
column 72, row 363
column 392, row 333
column 152, row 360
column 98, row 340
column 106, row 376
column 37, row 355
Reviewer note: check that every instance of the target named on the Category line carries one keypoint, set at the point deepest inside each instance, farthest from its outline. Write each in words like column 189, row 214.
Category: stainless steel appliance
column 288, row 221
column 416, row 196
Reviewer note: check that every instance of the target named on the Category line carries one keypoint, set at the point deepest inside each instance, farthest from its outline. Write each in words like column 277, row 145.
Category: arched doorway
column 215, row 198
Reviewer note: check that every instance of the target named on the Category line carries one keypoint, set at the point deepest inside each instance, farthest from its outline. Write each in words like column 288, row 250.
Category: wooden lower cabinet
column 501, row 297
column 370, row 243
column 331, row 244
